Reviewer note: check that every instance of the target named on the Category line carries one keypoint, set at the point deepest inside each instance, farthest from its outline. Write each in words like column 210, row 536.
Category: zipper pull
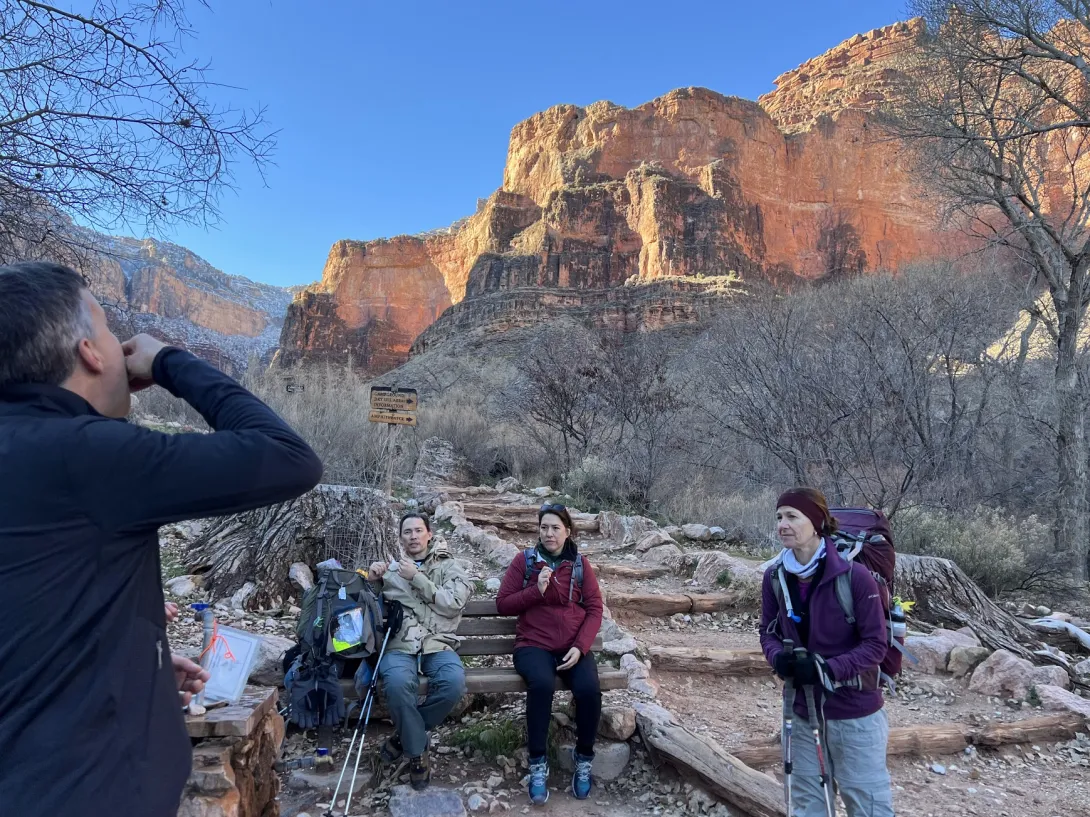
column 159, row 650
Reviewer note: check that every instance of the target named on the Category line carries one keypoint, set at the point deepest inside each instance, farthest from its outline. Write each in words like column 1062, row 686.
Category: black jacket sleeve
column 134, row 477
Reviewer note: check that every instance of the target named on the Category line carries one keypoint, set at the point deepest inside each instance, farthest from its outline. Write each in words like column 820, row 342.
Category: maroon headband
column 808, row 508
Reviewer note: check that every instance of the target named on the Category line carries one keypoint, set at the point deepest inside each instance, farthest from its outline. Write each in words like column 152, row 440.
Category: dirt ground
column 1047, row 780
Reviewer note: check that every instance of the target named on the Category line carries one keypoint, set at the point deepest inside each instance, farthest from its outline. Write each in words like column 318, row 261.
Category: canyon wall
column 639, row 218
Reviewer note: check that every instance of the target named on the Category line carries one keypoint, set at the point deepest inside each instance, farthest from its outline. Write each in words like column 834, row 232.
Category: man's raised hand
column 140, row 352
column 189, row 676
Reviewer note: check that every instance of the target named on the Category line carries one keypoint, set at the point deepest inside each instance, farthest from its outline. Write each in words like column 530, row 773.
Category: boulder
column 1057, row 699
column 712, row 563
column 634, row 667
column 268, row 669
column 243, row 595
column 452, row 510
column 968, row 633
column 1083, row 667
column 1005, row 675
column 434, row 801
column 717, row 533
column 964, row 660
column 301, row 576
column 436, row 466
column 699, row 533
column 492, row 585
column 669, row 555
column 182, row 586
column 624, row 530
column 932, row 652
column 543, row 491
column 508, row 484
column 617, row 723
column 653, row 539
column 673, row 531
column 619, row 647
column 610, row 759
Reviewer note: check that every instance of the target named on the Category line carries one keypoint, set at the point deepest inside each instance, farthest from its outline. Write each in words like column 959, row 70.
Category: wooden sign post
column 395, row 407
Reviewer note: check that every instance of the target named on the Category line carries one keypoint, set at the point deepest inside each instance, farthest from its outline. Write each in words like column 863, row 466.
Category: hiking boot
column 581, row 779
column 419, row 773
column 391, row 749
column 539, row 781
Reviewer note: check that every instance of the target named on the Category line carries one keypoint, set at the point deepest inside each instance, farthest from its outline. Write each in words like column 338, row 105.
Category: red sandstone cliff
column 599, row 203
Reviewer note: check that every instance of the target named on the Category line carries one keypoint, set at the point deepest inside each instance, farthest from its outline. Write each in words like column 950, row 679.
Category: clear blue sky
column 394, row 116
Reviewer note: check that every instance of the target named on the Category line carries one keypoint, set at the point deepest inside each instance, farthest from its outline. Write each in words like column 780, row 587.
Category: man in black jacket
column 90, row 712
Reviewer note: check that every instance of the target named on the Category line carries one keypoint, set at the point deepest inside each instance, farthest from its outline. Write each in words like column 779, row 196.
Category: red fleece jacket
column 551, row 621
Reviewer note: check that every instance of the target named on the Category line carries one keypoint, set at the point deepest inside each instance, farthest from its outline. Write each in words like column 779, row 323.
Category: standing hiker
column 554, row 592
column 832, row 665
column 90, row 713
column 433, row 591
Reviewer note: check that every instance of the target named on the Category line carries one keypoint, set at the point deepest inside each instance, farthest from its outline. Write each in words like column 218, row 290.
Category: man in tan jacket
column 433, row 590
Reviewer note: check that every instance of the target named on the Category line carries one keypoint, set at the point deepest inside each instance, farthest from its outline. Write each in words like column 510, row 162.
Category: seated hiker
column 433, row 591
column 554, row 592
column 831, row 664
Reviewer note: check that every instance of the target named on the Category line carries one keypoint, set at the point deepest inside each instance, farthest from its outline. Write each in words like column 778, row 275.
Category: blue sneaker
column 581, row 779
column 539, row 781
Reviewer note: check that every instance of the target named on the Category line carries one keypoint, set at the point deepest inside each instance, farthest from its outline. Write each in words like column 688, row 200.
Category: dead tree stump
column 355, row 525
column 945, row 595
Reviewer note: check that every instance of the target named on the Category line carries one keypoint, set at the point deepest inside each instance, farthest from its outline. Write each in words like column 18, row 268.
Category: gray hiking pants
column 400, row 684
column 855, row 754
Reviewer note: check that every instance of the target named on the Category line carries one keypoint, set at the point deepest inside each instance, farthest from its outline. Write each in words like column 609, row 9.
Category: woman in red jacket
column 558, row 620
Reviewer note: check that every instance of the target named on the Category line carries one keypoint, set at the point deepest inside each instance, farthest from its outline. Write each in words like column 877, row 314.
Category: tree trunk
column 716, row 662
column 1072, row 514
column 354, row 525
column 945, row 595
column 945, row 738
column 745, row 790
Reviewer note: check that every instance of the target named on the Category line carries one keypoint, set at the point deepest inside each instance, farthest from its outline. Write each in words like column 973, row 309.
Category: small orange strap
column 216, row 637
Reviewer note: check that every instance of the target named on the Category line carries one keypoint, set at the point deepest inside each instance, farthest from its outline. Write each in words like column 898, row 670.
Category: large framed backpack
column 341, row 620
column 864, row 536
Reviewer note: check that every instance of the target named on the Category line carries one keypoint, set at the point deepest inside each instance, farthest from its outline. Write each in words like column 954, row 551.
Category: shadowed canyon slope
column 165, row 290
column 641, row 218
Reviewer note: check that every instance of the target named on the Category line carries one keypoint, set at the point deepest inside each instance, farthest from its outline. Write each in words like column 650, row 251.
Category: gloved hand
column 784, row 664
column 806, row 672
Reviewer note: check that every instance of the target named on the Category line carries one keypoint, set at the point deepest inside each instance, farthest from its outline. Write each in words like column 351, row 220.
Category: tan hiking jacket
column 433, row 602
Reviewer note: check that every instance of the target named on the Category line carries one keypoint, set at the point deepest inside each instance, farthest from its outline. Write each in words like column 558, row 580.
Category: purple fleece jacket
column 849, row 650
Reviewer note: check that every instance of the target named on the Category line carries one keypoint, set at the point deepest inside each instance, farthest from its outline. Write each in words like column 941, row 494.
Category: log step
column 718, row 662
column 653, row 604
column 946, row 738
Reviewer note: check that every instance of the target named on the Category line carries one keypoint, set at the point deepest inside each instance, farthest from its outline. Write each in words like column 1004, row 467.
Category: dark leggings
column 538, row 668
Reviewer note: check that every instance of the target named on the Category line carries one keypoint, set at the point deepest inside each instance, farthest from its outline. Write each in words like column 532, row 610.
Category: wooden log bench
column 485, row 632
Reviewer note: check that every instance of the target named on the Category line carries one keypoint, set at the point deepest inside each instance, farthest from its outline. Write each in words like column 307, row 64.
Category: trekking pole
column 393, row 624
column 826, row 787
column 787, row 728
column 360, row 732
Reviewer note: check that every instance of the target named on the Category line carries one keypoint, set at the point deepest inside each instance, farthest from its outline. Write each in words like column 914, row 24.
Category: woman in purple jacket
column 835, row 660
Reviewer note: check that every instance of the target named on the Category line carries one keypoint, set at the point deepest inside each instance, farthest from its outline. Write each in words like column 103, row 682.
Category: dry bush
column 330, row 413
column 1001, row 553
column 748, row 519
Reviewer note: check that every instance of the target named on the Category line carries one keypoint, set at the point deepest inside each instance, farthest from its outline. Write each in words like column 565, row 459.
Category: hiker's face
column 415, row 538
column 102, row 364
column 552, row 533
column 794, row 529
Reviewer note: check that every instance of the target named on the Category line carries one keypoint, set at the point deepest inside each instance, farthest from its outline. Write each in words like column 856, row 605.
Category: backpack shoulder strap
column 577, row 570
column 528, row 567
column 843, row 588
column 777, row 587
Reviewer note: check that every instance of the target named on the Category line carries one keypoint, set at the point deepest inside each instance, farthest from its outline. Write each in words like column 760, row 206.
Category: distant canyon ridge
column 635, row 219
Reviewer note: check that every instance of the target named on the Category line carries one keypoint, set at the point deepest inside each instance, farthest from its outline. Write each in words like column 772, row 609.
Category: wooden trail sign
column 386, row 398
column 397, row 418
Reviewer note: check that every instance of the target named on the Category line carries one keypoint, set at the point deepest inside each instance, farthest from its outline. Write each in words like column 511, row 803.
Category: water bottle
column 897, row 626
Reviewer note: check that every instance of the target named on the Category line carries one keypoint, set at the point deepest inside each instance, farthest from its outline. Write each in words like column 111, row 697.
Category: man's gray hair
column 42, row 320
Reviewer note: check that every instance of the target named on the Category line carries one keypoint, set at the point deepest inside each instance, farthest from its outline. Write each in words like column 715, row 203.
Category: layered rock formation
column 165, row 290
column 640, row 218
